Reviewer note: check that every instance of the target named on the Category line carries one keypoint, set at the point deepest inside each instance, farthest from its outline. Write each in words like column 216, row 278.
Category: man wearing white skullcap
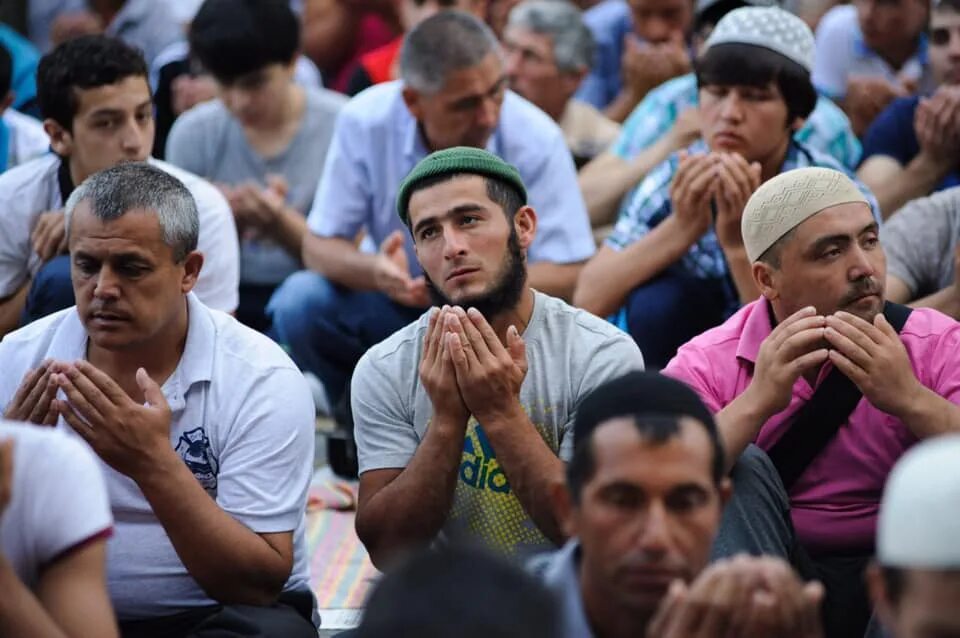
column 821, row 322
column 915, row 582
column 675, row 263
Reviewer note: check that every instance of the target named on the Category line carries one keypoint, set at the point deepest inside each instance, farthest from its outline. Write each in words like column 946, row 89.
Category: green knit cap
column 456, row 160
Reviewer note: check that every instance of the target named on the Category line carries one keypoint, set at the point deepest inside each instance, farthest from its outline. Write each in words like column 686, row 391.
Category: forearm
column 21, row 614
column 230, row 562
column 606, row 180
column 11, row 308
column 532, row 469
column 558, row 280
column 620, row 108
column 739, row 424
column 917, row 179
column 931, row 415
column 340, row 261
column 741, row 272
column 290, row 230
column 946, row 301
column 411, row 509
column 608, row 278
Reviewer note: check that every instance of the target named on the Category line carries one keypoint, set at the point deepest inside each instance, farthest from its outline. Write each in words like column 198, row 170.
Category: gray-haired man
column 549, row 52
column 204, row 428
column 452, row 93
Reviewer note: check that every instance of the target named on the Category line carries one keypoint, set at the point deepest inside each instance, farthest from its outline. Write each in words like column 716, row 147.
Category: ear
column 571, row 80
column 7, row 101
column 525, row 222
column 797, row 124
column 192, row 264
column 764, row 279
column 61, row 140
column 877, row 589
column 726, row 491
column 411, row 97
column 564, row 508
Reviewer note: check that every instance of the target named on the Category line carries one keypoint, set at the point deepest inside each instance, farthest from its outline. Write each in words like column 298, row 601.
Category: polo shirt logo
column 194, row 448
column 479, row 467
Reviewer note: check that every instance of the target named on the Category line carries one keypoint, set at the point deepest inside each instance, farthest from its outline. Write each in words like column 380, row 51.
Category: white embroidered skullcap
column 783, row 202
column 768, row 27
column 919, row 524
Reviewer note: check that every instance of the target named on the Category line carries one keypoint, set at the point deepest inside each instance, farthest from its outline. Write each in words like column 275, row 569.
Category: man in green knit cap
column 463, row 419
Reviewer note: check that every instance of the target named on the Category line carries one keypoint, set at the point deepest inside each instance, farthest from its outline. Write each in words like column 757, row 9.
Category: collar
column 132, row 12
column 756, row 328
column 562, row 576
column 64, row 180
column 414, row 141
column 860, row 48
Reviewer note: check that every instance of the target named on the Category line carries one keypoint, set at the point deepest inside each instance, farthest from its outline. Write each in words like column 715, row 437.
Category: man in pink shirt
column 816, row 258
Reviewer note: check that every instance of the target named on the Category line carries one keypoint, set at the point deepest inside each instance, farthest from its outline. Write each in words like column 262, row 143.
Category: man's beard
column 505, row 292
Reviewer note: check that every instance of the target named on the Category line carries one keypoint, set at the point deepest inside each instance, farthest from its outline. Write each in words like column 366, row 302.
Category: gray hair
column 573, row 44
column 445, row 42
column 116, row 191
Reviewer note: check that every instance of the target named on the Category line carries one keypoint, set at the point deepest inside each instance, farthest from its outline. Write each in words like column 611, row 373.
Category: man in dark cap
column 502, row 369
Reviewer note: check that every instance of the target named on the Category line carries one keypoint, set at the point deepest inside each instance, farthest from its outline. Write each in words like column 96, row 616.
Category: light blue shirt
column 841, row 53
column 376, row 143
column 609, row 22
column 559, row 571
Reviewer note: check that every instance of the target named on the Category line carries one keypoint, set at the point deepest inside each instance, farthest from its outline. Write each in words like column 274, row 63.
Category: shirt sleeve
column 15, row 249
column 892, row 133
column 219, row 284
column 832, row 55
column 343, row 203
column 563, row 226
column 648, row 205
column 267, row 461
column 185, row 145
column 385, row 433
column 652, row 118
column 691, row 365
column 915, row 240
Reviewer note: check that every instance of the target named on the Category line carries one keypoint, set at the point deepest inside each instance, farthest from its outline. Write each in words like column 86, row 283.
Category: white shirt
column 59, row 501
column 34, row 188
column 242, row 420
column 27, row 138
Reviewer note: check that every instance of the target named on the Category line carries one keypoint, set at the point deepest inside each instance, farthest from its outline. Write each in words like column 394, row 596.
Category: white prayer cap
column 768, row 27
column 919, row 525
column 783, row 202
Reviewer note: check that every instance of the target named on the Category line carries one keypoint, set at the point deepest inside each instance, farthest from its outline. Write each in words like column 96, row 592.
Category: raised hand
column 392, row 274
column 437, row 373
column 34, row 401
column 49, row 236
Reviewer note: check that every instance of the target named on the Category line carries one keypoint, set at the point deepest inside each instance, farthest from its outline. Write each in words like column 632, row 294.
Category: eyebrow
column 114, row 257
column 453, row 212
column 841, row 239
column 109, row 112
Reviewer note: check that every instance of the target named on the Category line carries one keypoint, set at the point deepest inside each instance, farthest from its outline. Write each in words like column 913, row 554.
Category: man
column 640, row 45
column 502, row 369
column 203, row 427
column 549, row 52
column 54, row 524
column 922, row 244
column 870, row 52
column 815, row 255
column 452, row 93
column 675, row 261
column 667, row 120
column 911, row 149
column 98, row 112
column 21, row 136
column 643, row 501
column 915, row 582
column 264, row 141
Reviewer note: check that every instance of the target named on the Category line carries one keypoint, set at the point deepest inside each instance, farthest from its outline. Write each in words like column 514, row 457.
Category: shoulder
column 581, row 328
column 606, row 19
column 244, row 352
column 36, row 337
column 205, row 193
column 24, row 184
column 682, row 88
column 378, row 105
column 839, row 21
column 943, row 205
column 325, row 101
column 399, row 349
column 929, row 324
column 209, row 113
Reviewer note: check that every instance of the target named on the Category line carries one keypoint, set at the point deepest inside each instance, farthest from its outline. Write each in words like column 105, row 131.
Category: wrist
column 755, row 405
column 915, row 405
column 493, row 417
column 157, row 469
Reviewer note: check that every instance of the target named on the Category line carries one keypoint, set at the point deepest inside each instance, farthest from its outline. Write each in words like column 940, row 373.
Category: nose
column 862, row 265
column 658, row 31
column 654, row 538
column 454, row 243
column 512, row 63
column 954, row 44
column 487, row 113
column 106, row 287
column 731, row 107
column 132, row 139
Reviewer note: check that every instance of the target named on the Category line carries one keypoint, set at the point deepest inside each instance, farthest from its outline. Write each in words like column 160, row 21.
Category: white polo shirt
column 27, row 138
column 59, row 501
column 243, row 421
column 34, row 188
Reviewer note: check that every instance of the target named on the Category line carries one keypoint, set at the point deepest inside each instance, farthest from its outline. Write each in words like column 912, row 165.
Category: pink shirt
column 834, row 503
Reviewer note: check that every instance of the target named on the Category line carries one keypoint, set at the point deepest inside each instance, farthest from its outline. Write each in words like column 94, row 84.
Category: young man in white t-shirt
column 98, row 111
column 54, row 524
column 204, row 427
column 470, row 449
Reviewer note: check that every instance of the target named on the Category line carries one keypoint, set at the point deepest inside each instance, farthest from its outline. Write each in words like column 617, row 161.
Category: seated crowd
column 639, row 316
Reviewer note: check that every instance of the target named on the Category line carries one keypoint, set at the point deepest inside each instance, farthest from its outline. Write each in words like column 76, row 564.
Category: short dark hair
column 498, row 190
column 232, row 38
column 656, row 404
column 86, row 62
column 6, row 72
column 437, row 594
column 735, row 63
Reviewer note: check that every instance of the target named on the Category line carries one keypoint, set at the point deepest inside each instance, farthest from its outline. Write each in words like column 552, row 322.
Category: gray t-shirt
column 209, row 141
column 569, row 353
column 920, row 242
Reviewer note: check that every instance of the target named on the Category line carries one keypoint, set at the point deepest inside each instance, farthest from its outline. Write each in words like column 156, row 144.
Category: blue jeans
column 669, row 310
column 326, row 328
column 51, row 290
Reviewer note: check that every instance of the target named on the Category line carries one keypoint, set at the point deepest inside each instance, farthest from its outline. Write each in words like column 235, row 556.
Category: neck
column 292, row 105
column 557, row 109
column 518, row 316
column 606, row 618
column 159, row 357
column 771, row 164
column 897, row 56
column 76, row 174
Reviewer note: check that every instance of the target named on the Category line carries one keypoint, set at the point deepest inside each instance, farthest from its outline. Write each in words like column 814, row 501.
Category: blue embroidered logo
column 194, row 448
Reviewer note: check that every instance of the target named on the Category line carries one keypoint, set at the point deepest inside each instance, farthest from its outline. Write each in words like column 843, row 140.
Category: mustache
column 862, row 288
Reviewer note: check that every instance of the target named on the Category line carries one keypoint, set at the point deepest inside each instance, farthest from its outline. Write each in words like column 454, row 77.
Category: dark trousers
column 757, row 521
column 288, row 617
